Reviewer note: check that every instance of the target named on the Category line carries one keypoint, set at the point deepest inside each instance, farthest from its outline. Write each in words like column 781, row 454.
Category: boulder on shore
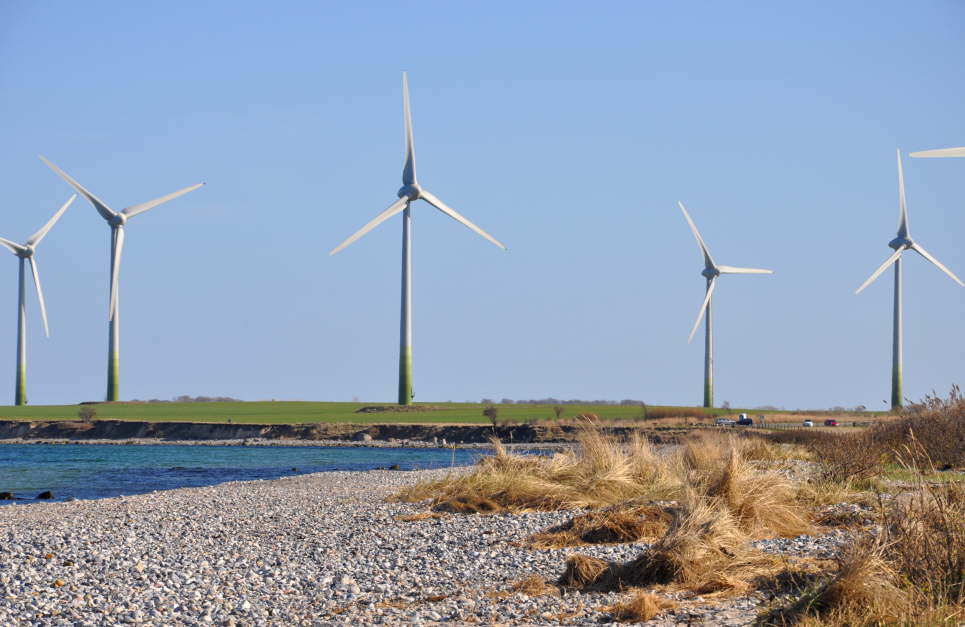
column 46, row 494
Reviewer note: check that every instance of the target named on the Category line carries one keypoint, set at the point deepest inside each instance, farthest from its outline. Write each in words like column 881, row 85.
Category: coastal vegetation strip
column 300, row 412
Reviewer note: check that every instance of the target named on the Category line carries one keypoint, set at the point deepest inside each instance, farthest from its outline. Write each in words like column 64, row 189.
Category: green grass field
column 292, row 412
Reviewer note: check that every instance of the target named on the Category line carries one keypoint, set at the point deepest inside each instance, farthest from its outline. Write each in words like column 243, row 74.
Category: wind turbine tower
column 710, row 272
column 26, row 252
column 116, row 221
column 900, row 244
column 410, row 191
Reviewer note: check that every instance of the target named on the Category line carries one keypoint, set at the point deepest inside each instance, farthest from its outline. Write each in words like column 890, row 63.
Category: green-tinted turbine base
column 405, row 376
column 113, row 386
column 20, row 393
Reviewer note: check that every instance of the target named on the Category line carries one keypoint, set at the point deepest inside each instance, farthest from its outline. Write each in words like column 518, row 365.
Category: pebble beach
column 320, row 549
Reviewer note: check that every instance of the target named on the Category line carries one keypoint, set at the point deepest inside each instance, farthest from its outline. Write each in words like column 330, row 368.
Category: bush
column 87, row 413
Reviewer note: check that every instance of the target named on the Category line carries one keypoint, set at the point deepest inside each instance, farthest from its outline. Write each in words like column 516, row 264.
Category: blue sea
column 93, row 471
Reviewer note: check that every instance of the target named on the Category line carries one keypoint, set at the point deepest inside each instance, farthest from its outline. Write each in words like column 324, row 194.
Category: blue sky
column 568, row 130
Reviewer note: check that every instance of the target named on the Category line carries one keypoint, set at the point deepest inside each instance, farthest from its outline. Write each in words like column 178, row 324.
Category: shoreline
column 323, row 548
column 260, row 442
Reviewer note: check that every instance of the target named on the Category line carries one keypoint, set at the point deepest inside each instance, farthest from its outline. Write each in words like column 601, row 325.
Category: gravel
column 308, row 550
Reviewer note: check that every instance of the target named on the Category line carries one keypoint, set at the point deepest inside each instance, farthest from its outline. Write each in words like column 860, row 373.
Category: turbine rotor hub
column 118, row 219
column 710, row 273
column 900, row 242
column 412, row 192
column 27, row 252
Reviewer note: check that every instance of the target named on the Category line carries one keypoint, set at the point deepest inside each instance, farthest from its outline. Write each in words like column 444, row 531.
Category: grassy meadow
column 299, row 412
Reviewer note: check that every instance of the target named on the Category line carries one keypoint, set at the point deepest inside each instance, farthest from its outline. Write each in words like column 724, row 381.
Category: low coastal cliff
column 185, row 431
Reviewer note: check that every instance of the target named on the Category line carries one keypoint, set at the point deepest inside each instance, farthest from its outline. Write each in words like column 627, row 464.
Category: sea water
column 91, row 471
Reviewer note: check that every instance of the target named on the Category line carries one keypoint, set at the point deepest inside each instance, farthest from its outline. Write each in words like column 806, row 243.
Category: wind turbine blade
column 452, row 213
column 116, row 269
column 39, row 235
column 941, row 152
column 408, row 172
column 40, row 294
column 903, row 221
column 393, row 209
column 133, row 210
column 890, row 260
column 13, row 246
column 708, row 260
column 106, row 212
column 733, row 270
column 924, row 253
column 703, row 308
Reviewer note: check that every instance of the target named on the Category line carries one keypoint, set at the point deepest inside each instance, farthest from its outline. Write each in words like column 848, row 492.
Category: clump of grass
column 640, row 607
column 535, row 586
column 704, row 550
column 761, row 501
column 864, row 591
column 583, row 571
column 597, row 472
column 616, row 524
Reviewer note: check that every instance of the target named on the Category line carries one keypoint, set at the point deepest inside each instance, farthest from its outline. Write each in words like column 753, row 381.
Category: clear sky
column 568, row 130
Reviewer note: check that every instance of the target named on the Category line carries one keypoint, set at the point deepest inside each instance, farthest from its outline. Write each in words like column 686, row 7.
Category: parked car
column 808, row 423
column 725, row 422
column 830, row 422
column 744, row 420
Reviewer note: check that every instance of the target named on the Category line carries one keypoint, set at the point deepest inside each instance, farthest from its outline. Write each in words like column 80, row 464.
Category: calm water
column 91, row 471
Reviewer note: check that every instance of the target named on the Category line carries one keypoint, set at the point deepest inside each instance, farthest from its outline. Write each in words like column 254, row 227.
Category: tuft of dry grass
column 597, row 472
column 621, row 523
column 535, row 586
column 583, row 571
column 863, row 591
column 761, row 501
column 640, row 607
column 704, row 551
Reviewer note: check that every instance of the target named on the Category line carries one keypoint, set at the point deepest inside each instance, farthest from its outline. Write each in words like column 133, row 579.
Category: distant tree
column 725, row 405
column 506, row 401
column 486, row 401
column 492, row 413
column 643, row 410
column 558, row 410
column 87, row 413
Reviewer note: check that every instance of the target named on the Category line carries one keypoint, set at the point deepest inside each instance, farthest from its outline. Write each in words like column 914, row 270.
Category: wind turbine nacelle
column 900, row 242
column 118, row 219
column 710, row 273
column 412, row 192
column 26, row 253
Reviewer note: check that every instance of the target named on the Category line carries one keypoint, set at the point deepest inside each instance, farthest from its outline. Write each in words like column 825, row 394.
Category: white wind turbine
column 710, row 272
column 409, row 192
column 901, row 243
column 26, row 253
column 116, row 220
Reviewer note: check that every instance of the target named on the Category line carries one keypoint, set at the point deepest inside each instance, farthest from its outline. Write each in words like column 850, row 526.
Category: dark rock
column 6, row 496
column 395, row 467
column 46, row 495
column 294, row 469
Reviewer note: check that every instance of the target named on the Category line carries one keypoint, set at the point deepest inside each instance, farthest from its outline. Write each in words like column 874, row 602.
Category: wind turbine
column 941, row 152
column 409, row 192
column 26, row 252
column 116, row 220
column 901, row 243
column 710, row 272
